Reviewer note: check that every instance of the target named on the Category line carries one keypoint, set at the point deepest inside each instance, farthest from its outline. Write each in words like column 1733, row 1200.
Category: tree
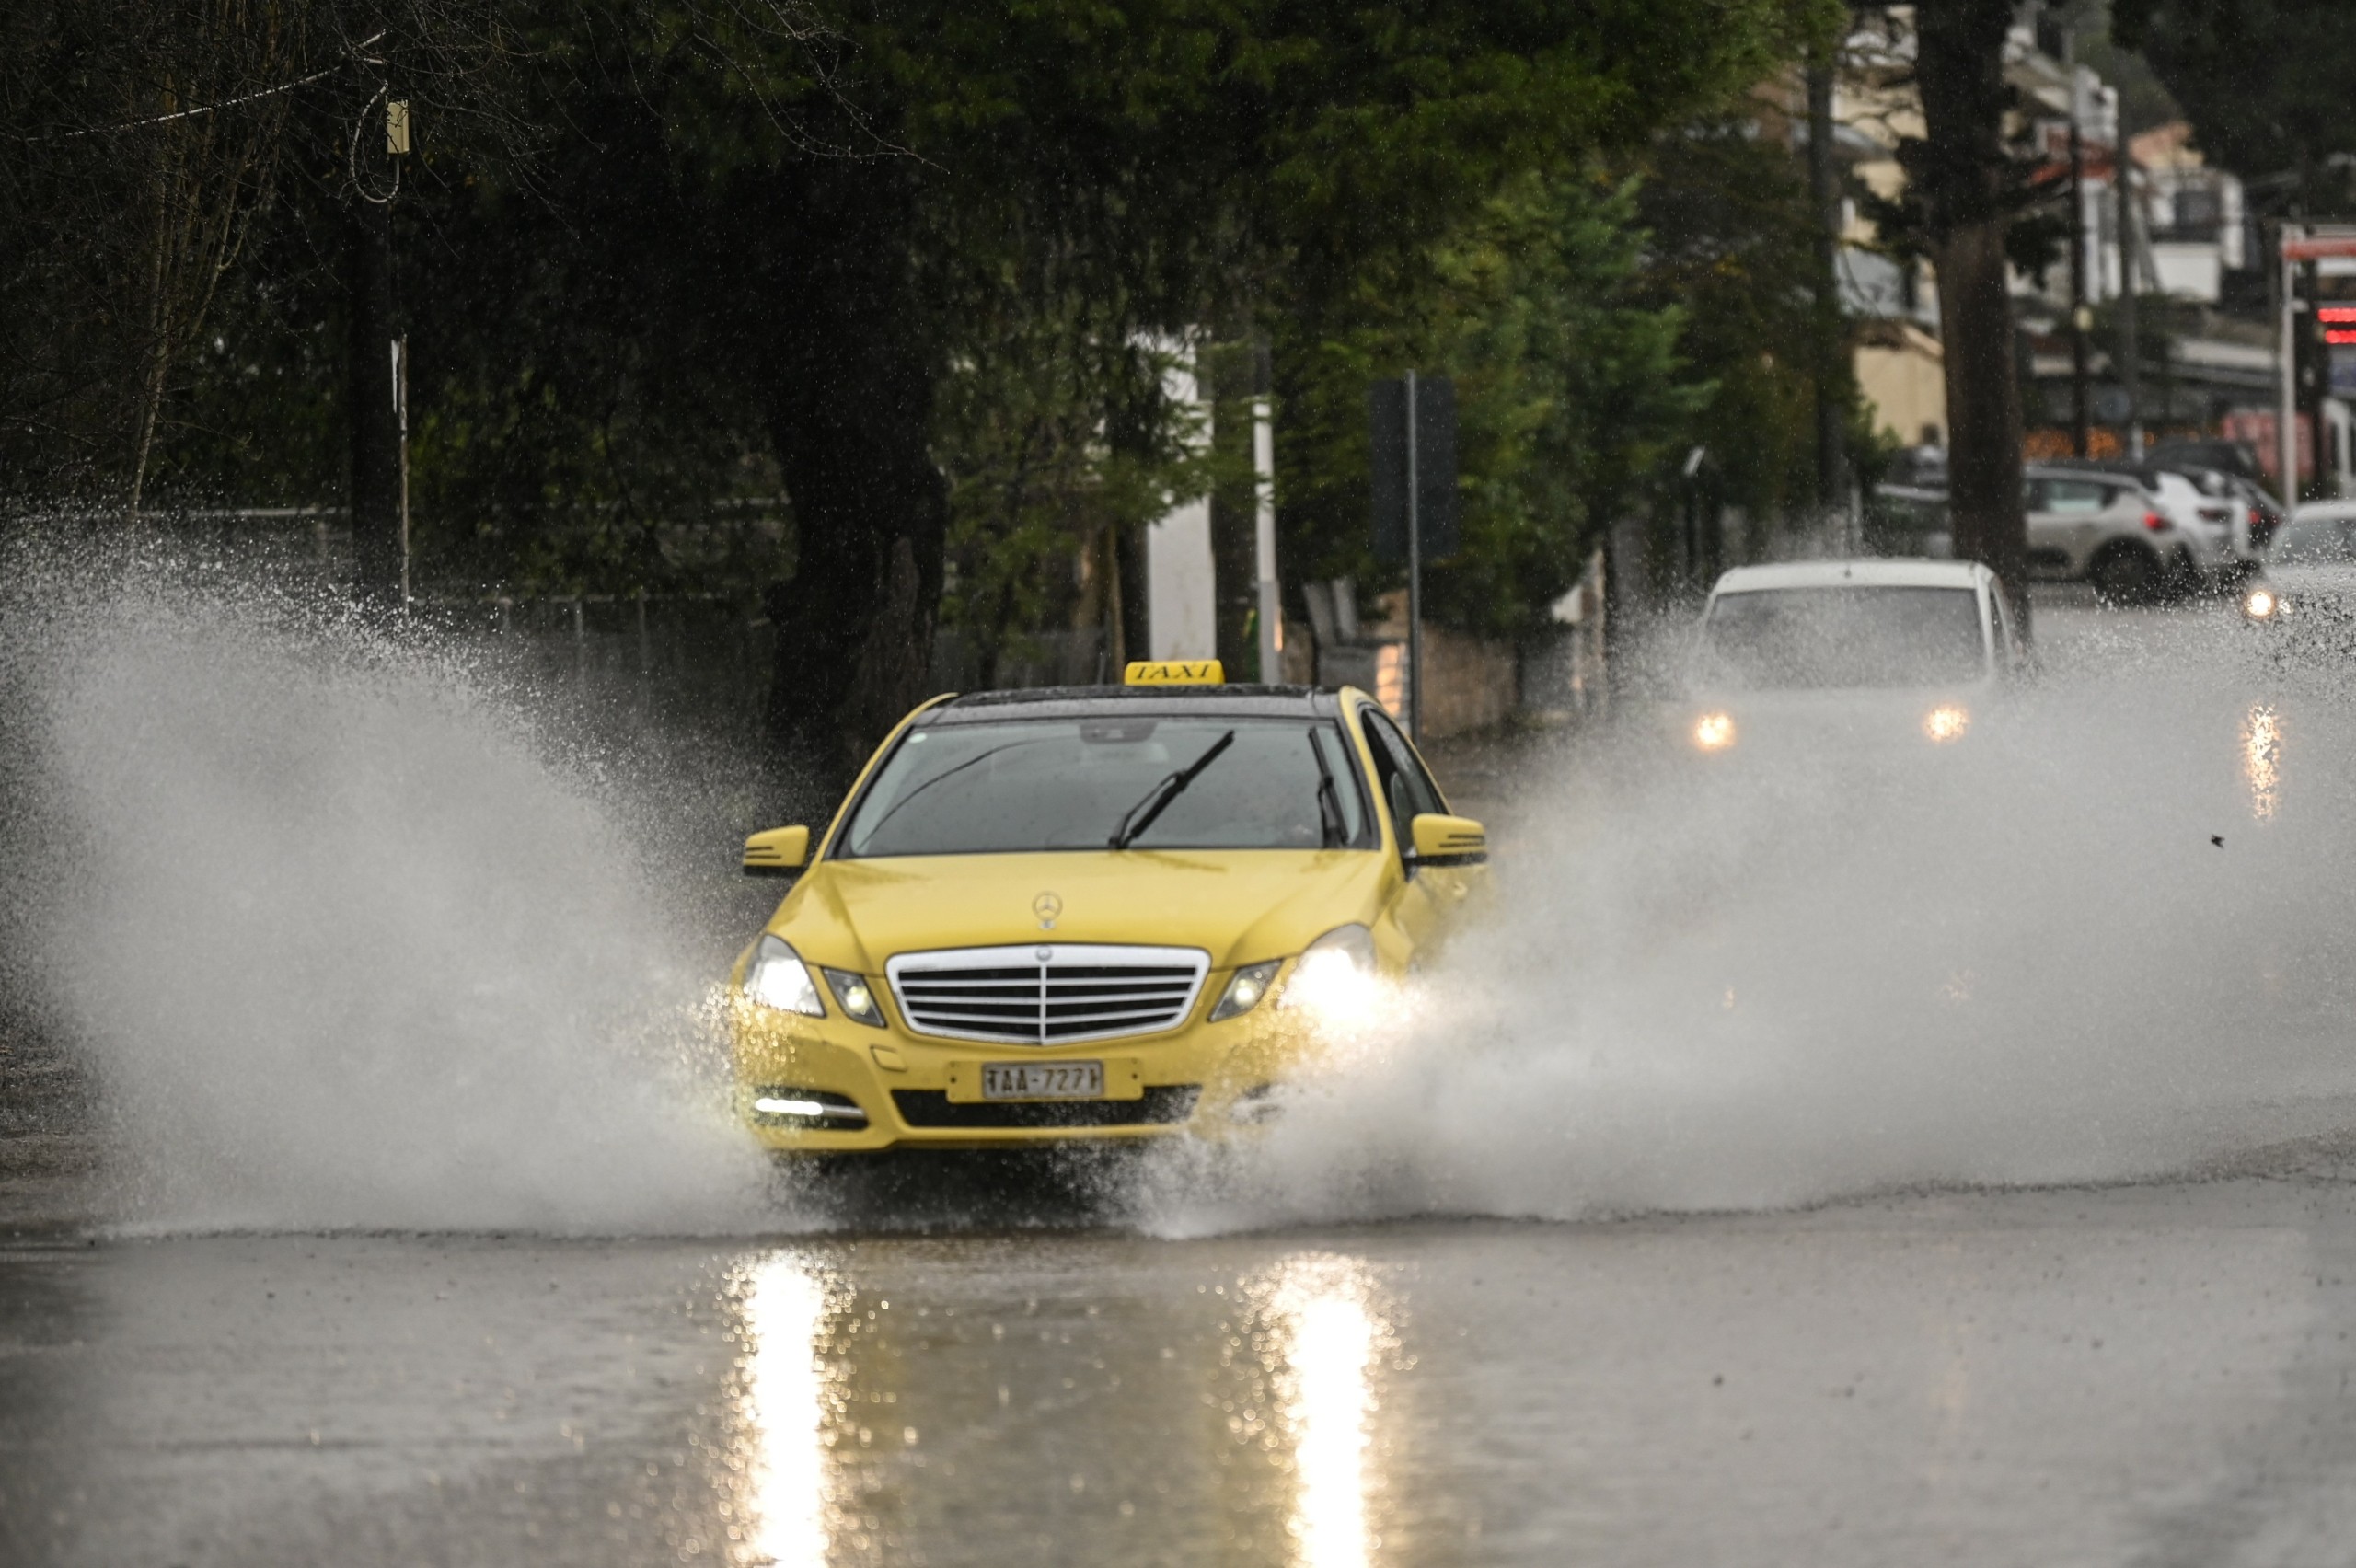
column 1182, row 162
column 2265, row 84
column 148, row 144
column 1966, row 207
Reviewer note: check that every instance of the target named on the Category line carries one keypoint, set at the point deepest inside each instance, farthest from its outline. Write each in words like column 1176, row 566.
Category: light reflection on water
column 2261, row 758
column 786, row 1504
column 1327, row 1339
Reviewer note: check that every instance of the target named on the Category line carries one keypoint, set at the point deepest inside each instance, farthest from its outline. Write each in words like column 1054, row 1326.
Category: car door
column 1428, row 897
column 2066, row 514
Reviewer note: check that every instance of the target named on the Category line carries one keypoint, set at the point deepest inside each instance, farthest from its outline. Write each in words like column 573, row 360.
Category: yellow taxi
column 1106, row 913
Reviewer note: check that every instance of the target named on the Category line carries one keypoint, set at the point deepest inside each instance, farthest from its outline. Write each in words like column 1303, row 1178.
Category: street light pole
column 1414, row 582
column 2286, row 432
column 1264, row 539
column 2080, row 316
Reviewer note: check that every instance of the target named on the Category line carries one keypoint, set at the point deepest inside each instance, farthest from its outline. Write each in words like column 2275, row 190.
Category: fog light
column 1947, row 723
column 2260, row 604
column 808, row 1105
column 1714, row 732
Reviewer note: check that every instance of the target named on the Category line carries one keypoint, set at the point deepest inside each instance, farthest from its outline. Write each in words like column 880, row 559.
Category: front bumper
column 915, row 1090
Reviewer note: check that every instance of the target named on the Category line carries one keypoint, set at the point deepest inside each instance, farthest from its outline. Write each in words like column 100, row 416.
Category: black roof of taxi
column 1071, row 702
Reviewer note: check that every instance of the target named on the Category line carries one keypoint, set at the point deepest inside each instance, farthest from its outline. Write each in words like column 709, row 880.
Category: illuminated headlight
column 855, row 997
column 1714, row 732
column 2261, row 604
column 778, row 978
column 1244, row 992
column 1335, row 976
column 1947, row 723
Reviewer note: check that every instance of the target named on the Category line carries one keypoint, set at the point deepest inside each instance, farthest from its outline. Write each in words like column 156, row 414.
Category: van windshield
column 1779, row 638
column 1031, row 784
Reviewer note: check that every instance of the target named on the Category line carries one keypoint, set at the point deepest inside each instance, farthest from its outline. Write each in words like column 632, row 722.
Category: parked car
column 2210, row 518
column 2094, row 526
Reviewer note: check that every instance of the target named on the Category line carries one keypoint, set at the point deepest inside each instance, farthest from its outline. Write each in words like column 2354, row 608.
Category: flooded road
column 1961, row 1172
column 2147, row 1375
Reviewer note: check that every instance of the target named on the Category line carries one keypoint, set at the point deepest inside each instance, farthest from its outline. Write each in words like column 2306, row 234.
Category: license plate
column 1042, row 1080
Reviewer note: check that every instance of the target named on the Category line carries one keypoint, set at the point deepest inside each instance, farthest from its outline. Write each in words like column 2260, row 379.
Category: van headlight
column 1335, row 977
column 778, row 978
column 2261, row 604
column 1947, row 722
column 1714, row 732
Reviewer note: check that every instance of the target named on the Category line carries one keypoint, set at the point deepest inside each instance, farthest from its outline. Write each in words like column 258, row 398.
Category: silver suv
column 2106, row 529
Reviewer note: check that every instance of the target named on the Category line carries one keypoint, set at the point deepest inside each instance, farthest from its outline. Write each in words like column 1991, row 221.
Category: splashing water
column 345, row 941
column 2106, row 939
column 351, row 940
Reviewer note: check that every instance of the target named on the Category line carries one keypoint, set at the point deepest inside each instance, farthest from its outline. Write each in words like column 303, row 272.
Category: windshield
column 1787, row 638
column 2318, row 541
column 1024, row 784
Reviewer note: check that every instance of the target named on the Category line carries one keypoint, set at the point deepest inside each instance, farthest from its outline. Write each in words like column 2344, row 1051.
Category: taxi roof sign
column 1175, row 671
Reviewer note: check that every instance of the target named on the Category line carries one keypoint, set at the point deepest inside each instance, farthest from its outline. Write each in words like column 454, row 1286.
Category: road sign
column 1435, row 466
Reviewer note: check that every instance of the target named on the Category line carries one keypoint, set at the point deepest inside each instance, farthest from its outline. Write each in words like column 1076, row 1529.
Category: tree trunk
column 1960, row 68
column 849, row 389
column 375, row 493
column 1983, row 406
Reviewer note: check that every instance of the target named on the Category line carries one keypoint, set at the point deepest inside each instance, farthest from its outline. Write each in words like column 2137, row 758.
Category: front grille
column 1046, row 994
column 1160, row 1107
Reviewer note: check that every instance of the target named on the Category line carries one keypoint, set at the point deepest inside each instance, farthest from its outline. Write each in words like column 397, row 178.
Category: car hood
column 1239, row 905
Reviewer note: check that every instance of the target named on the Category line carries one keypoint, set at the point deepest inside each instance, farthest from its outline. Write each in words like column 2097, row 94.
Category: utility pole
column 1264, row 531
column 1415, row 581
column 2081, row 316
column 2286, row 432
column 375, row 371
column 1825, row 194
column 2130, row 371
column 370, row 368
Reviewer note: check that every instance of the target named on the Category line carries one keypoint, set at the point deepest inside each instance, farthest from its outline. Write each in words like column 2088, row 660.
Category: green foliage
column 1569, row 392
column 1054, row 438
column 1733, row 242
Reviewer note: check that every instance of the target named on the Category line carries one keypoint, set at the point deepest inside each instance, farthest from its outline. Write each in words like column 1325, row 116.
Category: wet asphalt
column 2143, row 1375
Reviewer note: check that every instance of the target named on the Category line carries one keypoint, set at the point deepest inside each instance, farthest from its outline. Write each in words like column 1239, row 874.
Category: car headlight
column 2261, row 604
column 1714, row 732
column 1336, row 975
column 855, row 997
column 1244, row 992
column 778, row 978
column 1947, row 722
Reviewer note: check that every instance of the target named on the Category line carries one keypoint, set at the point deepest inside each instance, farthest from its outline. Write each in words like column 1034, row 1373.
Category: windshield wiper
column 873, row 828
column 1331, row 833
column 1138, row 818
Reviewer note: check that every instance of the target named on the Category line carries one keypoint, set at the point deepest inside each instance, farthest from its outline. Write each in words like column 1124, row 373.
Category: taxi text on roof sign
column 1175, row 671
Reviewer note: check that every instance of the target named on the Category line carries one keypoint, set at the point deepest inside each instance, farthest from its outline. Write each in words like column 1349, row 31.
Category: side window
column 2074, row 495
column 1407, row 790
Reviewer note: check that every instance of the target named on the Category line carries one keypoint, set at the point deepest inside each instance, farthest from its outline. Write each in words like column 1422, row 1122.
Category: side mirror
column 1449, row 840
column 779, row 852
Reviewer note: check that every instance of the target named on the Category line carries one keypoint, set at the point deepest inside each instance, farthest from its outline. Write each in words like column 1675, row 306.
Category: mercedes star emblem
column 1046, row 907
